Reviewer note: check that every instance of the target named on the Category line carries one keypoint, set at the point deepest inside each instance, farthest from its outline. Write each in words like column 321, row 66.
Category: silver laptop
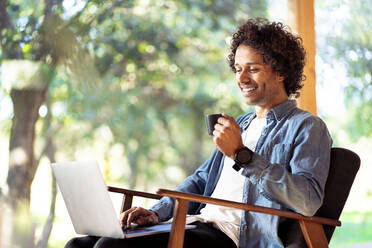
column 89, row 204
column 87, row 200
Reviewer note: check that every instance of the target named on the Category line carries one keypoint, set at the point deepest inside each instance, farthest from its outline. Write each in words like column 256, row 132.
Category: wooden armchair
column 297, row 230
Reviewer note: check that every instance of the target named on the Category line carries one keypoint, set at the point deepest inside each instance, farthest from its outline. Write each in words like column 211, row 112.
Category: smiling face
column 259, row 84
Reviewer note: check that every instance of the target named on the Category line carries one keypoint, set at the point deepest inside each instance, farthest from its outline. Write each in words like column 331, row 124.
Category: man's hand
column 138, row 215
column 227, row 136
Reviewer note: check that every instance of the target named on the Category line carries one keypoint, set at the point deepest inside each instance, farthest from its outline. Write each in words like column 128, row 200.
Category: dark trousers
column 204, row 235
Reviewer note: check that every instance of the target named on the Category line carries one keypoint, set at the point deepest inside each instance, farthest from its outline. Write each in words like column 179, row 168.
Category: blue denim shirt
column 288, row 171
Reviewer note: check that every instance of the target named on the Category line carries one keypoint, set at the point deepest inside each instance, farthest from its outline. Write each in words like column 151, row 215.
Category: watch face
column 244, row 156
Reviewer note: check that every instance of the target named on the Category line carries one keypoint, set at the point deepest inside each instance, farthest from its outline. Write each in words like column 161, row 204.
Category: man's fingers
column 222, row 121
column 218, row 127
column 124, row 216
column 226, row 121
column 222, row 124
column 226, row 116
column 225, row 126
column 227, row 135
column 139, row 216
column 132, row 216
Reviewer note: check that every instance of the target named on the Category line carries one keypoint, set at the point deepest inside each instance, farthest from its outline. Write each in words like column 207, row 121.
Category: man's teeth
column 248, row 89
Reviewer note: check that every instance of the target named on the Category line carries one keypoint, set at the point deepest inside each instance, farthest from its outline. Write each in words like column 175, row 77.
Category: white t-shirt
column 230, row 187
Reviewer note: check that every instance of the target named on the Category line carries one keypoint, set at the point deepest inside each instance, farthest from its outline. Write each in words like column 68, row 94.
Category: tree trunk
column 22, row 165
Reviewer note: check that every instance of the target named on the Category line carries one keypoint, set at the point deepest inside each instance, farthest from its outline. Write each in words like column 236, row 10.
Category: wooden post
column 178, row 225
column 313, row 234
column 126, row 203
column 301, row 21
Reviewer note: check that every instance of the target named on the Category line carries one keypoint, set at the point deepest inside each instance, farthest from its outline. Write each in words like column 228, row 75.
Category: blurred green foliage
column 152, row 69
column 144, row 73
column 349, row 44
column 135, row 77
column 356, row 228
column 147, row 70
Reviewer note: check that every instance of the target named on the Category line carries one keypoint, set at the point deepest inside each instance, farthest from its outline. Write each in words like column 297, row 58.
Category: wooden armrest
column 128, row 196
column 133, row 193
column 248, row 207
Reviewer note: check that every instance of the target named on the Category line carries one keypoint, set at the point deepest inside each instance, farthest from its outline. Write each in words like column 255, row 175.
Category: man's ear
column 280, row 78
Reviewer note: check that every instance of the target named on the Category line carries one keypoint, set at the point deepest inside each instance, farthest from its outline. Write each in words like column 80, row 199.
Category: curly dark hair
column 279, row 48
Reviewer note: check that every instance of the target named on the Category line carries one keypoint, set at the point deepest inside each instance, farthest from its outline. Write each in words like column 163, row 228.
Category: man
column 277, row 156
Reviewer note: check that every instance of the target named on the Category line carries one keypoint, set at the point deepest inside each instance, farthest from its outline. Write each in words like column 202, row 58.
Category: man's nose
column 244, row 77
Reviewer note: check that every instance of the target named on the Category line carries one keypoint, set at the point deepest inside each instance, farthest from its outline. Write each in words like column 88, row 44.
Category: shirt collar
column 280, row 111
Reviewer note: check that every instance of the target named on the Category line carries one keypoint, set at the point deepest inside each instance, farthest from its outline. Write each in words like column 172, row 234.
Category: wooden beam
column 314, row 234
column 178, row 225
column 126, row 203
column 301, row 21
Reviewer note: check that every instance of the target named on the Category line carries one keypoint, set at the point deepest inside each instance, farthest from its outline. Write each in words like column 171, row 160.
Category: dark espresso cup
column 211, row 120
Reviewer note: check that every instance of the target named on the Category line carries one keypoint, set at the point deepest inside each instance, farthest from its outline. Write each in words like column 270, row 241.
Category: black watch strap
column 236, row 167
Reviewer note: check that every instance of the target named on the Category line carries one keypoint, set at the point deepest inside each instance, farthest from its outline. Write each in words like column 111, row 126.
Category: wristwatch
column 242, row 158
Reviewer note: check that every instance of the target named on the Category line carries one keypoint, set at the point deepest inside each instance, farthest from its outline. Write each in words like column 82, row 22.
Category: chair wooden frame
column 311, row 227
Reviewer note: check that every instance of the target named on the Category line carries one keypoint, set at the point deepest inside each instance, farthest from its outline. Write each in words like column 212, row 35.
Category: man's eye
column 253, row 69
column 238, row 70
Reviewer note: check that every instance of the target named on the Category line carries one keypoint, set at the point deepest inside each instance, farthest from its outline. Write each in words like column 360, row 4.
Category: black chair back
column 343, row 169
